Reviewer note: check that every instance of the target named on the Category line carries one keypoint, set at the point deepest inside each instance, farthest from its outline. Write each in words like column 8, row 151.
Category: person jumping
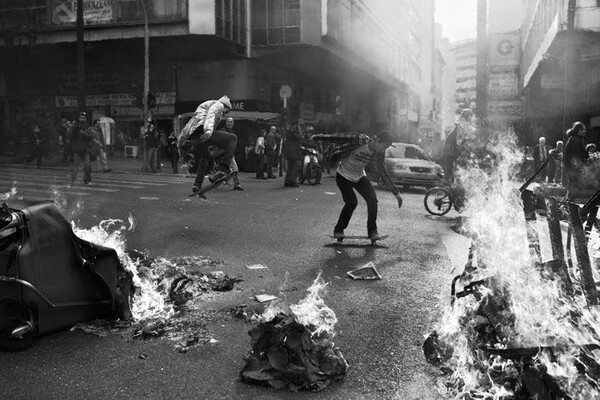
column 207, row 142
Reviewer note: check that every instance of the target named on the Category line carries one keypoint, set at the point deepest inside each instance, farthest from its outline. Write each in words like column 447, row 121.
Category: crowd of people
column 574, row 164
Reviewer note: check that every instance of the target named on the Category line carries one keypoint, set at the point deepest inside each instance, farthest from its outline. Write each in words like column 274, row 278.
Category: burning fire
column 293, row 347
column 148, row 302
column 520, row 307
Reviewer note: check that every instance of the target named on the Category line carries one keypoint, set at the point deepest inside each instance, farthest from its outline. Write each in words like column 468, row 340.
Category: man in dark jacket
column 270, row 145
column 81, row 146
column 293, row 155
column 574, row 158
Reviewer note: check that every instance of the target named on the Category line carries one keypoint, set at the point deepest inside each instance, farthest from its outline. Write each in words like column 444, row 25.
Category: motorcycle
column 311, row 168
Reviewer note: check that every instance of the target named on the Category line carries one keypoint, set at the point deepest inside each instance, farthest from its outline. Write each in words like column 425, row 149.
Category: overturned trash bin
column 50, row 279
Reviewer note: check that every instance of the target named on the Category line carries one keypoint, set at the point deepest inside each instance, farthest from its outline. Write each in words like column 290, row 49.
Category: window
column 275, row 22
column 230, row 18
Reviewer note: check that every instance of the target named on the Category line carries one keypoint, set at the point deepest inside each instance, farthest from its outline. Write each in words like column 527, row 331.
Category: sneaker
column 88, row 183
column 374, row 235
column 338, row 234
column 237, row 187
column 272, row 177
column 107, row 170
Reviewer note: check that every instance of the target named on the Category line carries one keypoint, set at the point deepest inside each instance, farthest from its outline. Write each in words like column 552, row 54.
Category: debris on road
column 256, row 266
column 366, row 272
column 263, row 298
column 293, row 347
column 248, row 313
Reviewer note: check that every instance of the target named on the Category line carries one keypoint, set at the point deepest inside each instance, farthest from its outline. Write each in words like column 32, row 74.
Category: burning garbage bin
column 49, row 278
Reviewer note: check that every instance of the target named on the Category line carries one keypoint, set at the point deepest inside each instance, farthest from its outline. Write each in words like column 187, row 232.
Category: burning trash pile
column 165, row 294
column 292, row 347
column 519, row 328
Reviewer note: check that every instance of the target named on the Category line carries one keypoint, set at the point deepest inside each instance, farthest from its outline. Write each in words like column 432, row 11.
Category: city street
column 381, row 326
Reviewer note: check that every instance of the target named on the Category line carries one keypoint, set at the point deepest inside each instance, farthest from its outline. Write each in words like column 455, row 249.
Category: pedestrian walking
column 81, row 138
column 230, row 127
column 293, row 155
column 37, row 146
column 555, row 165
column 99, row 147
column 173, row 153
column 201, row 130
column 64, row 141
column 270, row 145
column 574, row 159
column 152, row 140
column 259, row 150
column 355, row 153
column 541, row 154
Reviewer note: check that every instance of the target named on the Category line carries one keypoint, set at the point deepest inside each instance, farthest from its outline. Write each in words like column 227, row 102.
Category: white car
column 408, row 165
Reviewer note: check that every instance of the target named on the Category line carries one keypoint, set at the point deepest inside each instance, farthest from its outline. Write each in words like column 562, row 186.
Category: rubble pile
column 293, row 348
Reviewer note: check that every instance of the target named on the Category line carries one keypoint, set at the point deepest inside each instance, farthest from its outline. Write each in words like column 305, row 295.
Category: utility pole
column 146, row 80
column 80, row 58
column 569, row 98
column 481, row 77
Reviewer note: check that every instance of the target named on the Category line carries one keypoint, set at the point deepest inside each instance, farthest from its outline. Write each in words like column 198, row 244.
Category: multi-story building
column 348, row 63
column 465, row 56
column 561, row 87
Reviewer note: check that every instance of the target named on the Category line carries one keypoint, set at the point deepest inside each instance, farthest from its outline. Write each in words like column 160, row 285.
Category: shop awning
column 252, row 115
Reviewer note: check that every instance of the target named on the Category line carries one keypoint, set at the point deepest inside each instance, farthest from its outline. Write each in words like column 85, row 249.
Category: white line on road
column 20, row 184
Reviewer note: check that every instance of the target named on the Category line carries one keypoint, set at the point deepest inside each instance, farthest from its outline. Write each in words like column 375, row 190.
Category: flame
column 533, row 310
column 148, row 302
column 311, row 311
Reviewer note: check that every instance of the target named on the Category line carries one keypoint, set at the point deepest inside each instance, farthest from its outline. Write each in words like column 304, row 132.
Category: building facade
column 560, row 75
column 349, row 63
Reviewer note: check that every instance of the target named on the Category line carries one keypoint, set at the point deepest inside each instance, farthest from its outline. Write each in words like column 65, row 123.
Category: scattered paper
column 366, row 272
column 262, row 298
column 256, row 266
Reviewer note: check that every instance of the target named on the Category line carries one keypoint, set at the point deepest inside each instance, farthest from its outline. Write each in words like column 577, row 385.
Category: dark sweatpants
column 225, row 141
column 365, row 189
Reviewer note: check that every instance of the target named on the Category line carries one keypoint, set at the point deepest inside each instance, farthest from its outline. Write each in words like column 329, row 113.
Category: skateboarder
column 200, row 130
column 356, row 153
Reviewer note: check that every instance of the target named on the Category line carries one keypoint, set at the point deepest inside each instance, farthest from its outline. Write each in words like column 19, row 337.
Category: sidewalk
column 117, row 162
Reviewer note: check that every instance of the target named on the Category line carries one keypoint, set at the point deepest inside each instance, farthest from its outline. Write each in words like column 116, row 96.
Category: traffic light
column 151, row 100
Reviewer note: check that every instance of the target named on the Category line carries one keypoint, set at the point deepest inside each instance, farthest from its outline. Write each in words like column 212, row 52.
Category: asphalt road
column 381, row 324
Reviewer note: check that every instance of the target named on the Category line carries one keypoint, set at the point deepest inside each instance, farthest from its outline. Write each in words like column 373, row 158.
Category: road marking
column 18, row 185
column 149, row 180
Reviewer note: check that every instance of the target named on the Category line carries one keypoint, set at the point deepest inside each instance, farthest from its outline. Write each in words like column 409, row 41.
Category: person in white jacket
column 200, row 129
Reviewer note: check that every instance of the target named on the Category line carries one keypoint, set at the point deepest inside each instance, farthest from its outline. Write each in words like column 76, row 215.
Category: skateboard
column 341, row 238
column 213, row 185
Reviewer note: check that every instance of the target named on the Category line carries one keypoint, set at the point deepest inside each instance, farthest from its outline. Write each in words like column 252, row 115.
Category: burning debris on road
column 520, row 328
column 292, row 347
column 166, row 295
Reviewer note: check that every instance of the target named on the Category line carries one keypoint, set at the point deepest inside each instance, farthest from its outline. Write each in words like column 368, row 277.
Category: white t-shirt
column 352, row 167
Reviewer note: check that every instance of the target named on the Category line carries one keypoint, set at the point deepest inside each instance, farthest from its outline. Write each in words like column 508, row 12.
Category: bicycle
column 439, row 200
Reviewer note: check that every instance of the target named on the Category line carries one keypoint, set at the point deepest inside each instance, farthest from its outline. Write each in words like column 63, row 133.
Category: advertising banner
column 64, row 12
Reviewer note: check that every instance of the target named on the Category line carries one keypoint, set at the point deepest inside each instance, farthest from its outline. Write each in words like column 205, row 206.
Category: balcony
column 27, row 15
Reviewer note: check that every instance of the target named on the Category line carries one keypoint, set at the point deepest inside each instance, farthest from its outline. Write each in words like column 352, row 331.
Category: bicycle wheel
column 437, row 201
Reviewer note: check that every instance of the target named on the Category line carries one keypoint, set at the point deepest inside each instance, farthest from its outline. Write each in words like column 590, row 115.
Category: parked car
column 408, row 165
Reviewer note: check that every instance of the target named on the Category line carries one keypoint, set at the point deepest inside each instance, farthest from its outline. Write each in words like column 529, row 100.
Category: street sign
column 285, row 92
